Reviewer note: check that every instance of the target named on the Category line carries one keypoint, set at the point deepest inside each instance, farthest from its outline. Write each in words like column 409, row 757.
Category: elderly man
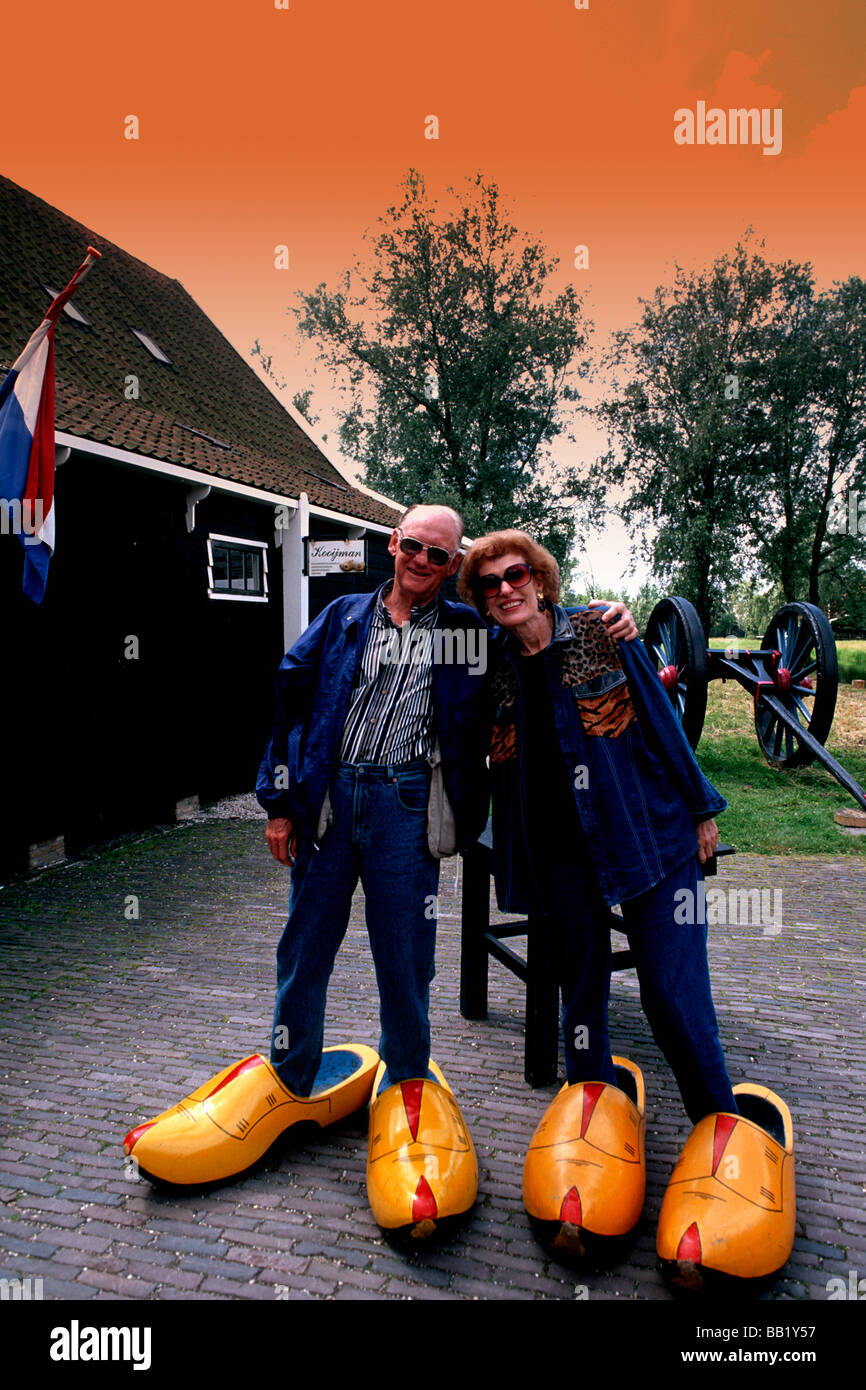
column 377, row 740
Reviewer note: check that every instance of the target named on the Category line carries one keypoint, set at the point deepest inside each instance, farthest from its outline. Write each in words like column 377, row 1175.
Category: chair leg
column 474, row 922
column 542, row 1013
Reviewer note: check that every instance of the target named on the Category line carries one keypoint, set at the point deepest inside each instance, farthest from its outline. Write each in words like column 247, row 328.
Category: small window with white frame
column 237, row 569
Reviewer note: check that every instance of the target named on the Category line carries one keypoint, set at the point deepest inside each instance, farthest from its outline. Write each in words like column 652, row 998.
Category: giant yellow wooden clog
column 421, row 1164
column 730, row 1206
column 227, row 1124
column 585, row 1174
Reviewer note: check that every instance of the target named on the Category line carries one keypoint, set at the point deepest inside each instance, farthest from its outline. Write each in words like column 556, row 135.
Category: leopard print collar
column 582, row 646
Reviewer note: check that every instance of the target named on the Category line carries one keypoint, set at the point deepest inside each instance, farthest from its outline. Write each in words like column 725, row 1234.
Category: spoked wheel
column 807, row 679
column 675, row 641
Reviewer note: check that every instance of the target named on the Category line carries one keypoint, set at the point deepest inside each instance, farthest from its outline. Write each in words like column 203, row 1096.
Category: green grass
column 852, row 660
column 780, row 810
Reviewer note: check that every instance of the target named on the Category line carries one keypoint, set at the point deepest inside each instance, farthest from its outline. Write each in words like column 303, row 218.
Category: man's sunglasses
column 518, row 576
column 435, row 554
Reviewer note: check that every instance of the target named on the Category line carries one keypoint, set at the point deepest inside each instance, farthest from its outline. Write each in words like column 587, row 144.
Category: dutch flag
column 27, row 442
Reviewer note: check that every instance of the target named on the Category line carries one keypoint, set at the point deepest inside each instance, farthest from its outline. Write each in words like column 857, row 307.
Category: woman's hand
column 708, row 839
column 621, row 624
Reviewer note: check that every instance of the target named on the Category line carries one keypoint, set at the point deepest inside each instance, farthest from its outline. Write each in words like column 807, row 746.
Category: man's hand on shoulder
column 621, row 624
column 282, row 840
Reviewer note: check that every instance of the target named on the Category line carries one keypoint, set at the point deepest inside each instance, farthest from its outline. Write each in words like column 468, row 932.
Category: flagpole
column 65, row 295
column 55, row 308
column 27, row 438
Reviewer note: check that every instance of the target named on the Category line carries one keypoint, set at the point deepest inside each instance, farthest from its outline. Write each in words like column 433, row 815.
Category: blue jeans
column 378, row 833
column 672, row 970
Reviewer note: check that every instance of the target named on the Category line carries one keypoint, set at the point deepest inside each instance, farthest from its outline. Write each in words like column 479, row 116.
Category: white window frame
column 244, row 543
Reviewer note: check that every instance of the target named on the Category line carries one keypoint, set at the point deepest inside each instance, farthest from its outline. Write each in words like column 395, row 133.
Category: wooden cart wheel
column 807, row 679
column 675, row 641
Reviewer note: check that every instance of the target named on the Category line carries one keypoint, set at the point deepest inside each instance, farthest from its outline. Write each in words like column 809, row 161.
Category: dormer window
column 156, row 352
column 69, row 309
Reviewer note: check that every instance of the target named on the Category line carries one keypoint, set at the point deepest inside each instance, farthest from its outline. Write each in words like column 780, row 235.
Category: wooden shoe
column 730, row 1206
column 231, row 1121
column 585, row 1174
column 421, row 1165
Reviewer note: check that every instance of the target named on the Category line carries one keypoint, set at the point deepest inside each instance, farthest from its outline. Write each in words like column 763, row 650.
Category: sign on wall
column 337, row 557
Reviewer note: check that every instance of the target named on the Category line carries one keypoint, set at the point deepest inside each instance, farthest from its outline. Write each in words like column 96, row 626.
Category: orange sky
column 261, row 126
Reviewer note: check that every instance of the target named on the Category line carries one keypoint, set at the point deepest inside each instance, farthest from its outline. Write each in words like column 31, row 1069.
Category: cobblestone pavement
column 107, row 1021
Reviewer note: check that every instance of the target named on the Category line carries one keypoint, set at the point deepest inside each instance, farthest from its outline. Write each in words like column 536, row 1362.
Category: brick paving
column 106, row 1021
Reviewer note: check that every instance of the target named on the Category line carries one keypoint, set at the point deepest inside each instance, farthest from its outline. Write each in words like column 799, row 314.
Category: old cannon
column 793, row 678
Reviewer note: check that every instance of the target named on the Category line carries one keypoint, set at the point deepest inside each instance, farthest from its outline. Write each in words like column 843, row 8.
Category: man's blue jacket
column 638, row 789
column 314, row 686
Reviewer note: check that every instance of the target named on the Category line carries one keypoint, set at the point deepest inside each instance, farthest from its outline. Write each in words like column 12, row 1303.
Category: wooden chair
column 480, row 941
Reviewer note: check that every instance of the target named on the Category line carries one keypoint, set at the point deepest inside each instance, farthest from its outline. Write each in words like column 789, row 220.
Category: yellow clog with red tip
column 421, row 1165
column 730, row 1206
column 231, row 1121
column 585, row 1174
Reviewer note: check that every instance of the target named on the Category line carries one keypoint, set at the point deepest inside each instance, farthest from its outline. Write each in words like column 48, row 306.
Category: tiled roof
column 209, row 390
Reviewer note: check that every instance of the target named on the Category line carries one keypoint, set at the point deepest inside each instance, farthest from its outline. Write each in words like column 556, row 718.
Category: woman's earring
column 542, row 603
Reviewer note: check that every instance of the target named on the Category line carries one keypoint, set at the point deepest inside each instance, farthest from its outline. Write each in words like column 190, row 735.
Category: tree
column 777, row 493
column 457, row 359
column 302, row 401
column 643, row 603
column 845, row 600
column 841, row 432
column 807, row 383
column 754, row 605
column 679, row 441
column 740, row 430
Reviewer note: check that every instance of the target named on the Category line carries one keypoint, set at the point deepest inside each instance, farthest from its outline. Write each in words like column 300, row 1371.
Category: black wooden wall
column 95, row 743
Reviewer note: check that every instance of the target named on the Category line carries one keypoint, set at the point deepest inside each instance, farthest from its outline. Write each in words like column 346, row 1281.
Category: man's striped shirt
column 390, row 717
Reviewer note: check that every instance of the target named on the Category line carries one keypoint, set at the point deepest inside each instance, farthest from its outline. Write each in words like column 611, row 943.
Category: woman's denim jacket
column 638, row 790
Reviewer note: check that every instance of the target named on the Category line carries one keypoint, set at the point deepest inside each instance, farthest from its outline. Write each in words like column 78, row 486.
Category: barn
column 199, row 529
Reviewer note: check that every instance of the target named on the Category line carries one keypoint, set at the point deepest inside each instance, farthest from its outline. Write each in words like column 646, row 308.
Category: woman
column 598, row 799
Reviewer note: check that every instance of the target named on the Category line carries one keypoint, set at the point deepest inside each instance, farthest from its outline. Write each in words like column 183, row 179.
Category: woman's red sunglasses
column 518, row 576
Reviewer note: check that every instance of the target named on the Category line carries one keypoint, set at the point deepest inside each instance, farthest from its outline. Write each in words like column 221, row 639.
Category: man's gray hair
column 455, row 516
